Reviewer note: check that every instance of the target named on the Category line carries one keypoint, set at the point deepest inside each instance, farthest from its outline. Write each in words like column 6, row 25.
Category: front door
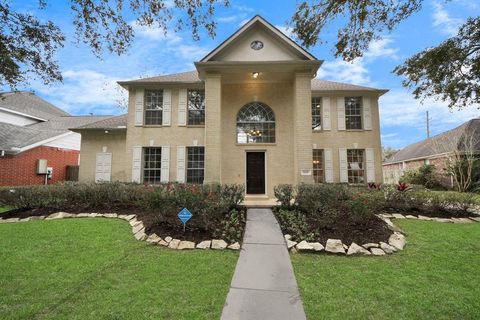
column 255, row 172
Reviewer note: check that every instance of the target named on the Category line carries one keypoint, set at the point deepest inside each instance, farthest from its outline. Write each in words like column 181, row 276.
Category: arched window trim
column 255, row 117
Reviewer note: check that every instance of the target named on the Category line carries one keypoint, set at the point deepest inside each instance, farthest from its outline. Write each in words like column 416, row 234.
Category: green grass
column 95, row 269
column 436, row 277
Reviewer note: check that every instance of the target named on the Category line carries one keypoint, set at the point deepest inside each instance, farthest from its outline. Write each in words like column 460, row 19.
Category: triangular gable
column 276, row 45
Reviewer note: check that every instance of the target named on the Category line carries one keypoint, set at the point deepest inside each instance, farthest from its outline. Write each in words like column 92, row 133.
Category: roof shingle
column 192, row 77
column 441, row 143
column 30, row 104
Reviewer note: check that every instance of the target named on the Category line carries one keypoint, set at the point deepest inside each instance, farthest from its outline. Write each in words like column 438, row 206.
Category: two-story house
column 252, row 113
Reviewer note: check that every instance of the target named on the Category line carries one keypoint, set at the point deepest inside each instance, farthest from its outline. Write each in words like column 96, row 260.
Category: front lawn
column 95, row 269
column 435, row 277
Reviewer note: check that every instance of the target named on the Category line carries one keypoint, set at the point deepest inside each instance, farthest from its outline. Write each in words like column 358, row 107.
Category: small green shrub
column 425, row 175
column 284, row 194
column 231, row 226
column 294, row 222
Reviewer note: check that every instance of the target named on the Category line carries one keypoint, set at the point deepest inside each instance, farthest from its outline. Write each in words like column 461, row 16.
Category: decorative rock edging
column 138, row 230
column 396, row 241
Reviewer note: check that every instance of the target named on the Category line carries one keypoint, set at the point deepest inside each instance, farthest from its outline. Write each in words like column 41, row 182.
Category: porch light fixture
column 255, row 75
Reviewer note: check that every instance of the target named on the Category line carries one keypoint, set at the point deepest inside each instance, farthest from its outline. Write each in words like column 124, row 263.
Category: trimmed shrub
column 284, row 194
column 425, row 175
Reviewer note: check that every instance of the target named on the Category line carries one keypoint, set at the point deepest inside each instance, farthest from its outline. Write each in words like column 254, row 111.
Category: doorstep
column 259, row 202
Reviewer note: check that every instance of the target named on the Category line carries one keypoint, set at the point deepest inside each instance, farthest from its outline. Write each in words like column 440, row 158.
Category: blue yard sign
column 184, row 216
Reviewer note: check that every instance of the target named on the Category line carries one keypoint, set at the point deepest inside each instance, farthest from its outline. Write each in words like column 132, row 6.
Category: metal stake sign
column 184, row 215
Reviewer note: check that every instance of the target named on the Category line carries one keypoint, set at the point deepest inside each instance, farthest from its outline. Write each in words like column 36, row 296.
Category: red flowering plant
column 403, row 187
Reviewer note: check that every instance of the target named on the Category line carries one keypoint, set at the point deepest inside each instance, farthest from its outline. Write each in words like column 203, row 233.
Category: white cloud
column 443, row 21
column 228, row 19
column 381, row 48
column 286, row 30
column 400, row 108
column 154, row 33
column 85, row 91
column 350, row 72
column 356, row 71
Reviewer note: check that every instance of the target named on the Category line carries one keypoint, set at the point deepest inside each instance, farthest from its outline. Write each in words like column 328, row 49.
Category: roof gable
column 29, row 104
column 276, row 45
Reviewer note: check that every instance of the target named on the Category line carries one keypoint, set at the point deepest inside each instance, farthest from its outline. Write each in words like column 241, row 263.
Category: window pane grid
column 195, row 164
column 256, row 124
column 318, row 171
column 196, row 107
column 153, row 106
column 316, row 113
column 356, row 166
column 152, row 165
column 353, row 113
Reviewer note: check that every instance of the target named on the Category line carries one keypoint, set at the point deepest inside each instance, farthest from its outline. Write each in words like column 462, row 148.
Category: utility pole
column 428, row 126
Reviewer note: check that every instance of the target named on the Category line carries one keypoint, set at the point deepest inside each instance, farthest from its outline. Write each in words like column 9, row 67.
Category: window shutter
column 99, row 167
column 107, row 167
column 167, row 107
column 367, row 114
column 341, row 113
column 139, row 93
column 165, row 166
column 136, row 163
column 328, row 165
column 370, row 164
column 342, row 152
column 182, row 107
column 181, row 164
column 326, row 121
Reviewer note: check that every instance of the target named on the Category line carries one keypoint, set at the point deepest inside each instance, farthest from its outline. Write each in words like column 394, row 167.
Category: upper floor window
column 316, row 113
column 153, row 107
column 353, row 113
column 152, row 165
column 196, row 107
column 195, row 164
column 318, row 175
column 256, row 124
column 356, row 165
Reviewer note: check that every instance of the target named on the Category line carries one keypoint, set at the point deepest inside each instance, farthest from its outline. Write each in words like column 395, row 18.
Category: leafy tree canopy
column 28, row 45
column 449, row 71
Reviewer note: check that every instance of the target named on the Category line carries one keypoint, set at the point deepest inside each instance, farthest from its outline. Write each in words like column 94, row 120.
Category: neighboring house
column 252, row 113
column 435, row 151
column 31, row 129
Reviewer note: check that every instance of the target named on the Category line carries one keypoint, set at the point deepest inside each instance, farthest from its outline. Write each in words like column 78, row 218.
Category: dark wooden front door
column 255, row 172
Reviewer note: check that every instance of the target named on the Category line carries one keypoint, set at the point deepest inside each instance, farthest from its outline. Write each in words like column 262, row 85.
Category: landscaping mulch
column 373, row 230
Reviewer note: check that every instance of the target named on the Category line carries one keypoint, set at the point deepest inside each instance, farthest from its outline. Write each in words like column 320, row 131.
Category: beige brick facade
column 285, row 86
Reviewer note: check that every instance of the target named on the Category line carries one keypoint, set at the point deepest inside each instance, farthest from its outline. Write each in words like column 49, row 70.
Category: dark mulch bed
column 374, row 230
column 168, row 226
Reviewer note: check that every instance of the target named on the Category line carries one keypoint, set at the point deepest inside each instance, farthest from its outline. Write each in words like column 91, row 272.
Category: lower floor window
column 152, row 165
column 356, row 166
column 318, row 176
column 195, row 164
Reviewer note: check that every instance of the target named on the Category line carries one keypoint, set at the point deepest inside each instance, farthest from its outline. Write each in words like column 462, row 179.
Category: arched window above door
column 255, row 124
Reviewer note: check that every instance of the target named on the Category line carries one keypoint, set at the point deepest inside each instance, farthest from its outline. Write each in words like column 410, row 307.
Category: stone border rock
column 396, row 241
column 138, row 230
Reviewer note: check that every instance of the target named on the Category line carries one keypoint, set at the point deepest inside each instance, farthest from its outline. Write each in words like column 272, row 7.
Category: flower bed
column 354, row 214
column 215, row 208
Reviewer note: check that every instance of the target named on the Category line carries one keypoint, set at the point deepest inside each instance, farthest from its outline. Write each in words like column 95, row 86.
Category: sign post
column 184, row 215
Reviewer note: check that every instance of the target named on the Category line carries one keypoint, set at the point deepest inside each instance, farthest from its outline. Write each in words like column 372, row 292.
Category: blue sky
column 90, row 83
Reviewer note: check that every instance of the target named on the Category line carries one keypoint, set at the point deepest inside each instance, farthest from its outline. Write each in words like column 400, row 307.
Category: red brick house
column 435, row 151
column 34, row 136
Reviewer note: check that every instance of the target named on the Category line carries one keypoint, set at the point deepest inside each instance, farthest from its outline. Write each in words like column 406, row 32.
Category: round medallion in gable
column 256, row 45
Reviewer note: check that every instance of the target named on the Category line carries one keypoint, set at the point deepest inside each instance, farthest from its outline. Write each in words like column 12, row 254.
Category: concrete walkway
column 263, row 286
